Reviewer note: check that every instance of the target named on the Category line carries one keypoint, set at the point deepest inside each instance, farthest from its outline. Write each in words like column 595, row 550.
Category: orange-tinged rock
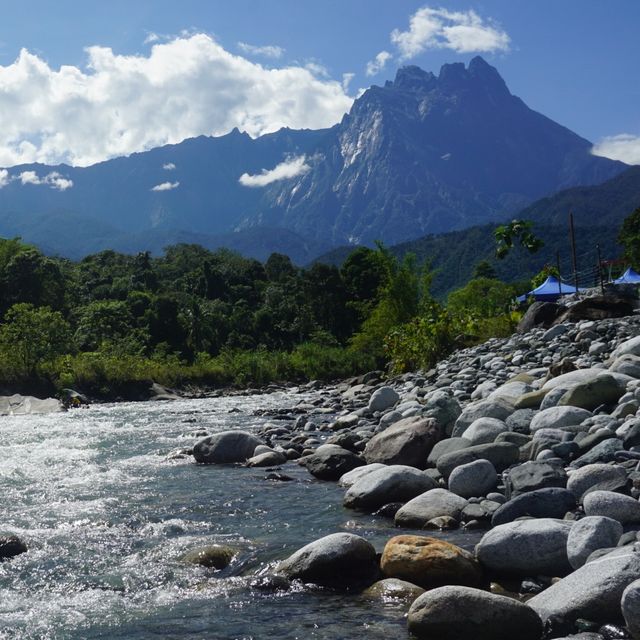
column 429, row 562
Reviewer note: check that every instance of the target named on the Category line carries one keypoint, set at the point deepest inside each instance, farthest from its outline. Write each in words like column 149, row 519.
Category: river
column 107, row 516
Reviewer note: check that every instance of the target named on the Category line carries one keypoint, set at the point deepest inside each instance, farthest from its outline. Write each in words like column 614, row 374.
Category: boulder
column 568, row 418
column 11, row 546
column 456, row 613
column 604, row 451
column 216, row 556
column 536, row 474
column 624, row 509
column 589, row 535
column 408, row 441
column 596, row 308
column 552, row 502
column 267, row 459
column 17, row 405
column 603, row 389
column 226, row 447
column 443, row 408
column 539, row 314
column 354, row 475
column 593, row 591
column 395, row 483
column 473, row 479
column 628, row 347
column 484, row 430
column 628, row 364
column 499, row 408
column 526, row 547
column 393, row 589
column 594, row 477
column 383, row 398
column 330, row 462
column 630, row 605
column 429, row 562
column 429, row 505
column 580, row 376
column 500, row 454
column 448, row 445
column 339, row 560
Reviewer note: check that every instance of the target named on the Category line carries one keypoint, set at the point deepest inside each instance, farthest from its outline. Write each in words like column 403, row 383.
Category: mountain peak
column 412, row 77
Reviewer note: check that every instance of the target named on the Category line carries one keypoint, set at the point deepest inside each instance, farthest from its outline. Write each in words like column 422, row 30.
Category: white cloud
column 376, row 65
column 346, row 81
column 461, row 31
column 4, row 178
column 290, row 168
column 53, row 180
column 624, row 147
column 268, row 51
column 165, row 186
column 169, row 166
column 185, row 87
column 151, row 37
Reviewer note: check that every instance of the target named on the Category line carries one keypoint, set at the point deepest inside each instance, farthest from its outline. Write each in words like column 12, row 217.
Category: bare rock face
column 596, row 308
column 453, row 613
column 407, row 442
column 429, row 562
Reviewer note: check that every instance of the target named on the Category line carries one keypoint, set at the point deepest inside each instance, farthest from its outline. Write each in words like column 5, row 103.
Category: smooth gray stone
column 589, row 535
column 520, row 420
column 226, row 447
column 593, row 591
column 454, row 613
column 339, row 560
column 484, row 430
column 395, row 483
column 330, row 462
column 443, row 408
column 499, row 408
column 473, row 479
column 383, row 398
column 526, row 547
column 448, row 445
column 352, row 476
column 408, row 441
column 28, row 405
column 533, row 475
column 594, row 477
column 631, row 347
column 553, row 502
column 603, row 452
column 500, row 454
column 267, row 459
column 568, row 418
column 624, row 509
column 429, row 505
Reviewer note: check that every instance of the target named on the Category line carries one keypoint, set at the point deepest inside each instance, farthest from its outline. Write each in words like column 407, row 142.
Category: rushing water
column 107, row 517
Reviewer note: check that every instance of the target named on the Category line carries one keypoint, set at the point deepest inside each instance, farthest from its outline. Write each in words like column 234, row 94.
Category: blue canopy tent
column 549, row 291
column 628, row 277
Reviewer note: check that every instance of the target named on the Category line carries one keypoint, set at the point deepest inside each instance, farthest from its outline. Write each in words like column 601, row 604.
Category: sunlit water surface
column 107, row 518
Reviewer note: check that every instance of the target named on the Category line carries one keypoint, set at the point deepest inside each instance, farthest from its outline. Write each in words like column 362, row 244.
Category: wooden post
column 559, row 274
column 573, row 252
column 600, row 270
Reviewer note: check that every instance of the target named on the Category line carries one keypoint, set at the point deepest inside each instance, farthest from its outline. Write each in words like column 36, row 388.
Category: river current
column 106, row 517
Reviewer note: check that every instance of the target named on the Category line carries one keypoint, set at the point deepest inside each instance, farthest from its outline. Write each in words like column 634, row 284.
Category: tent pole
column 573, row 252
column 559, row 274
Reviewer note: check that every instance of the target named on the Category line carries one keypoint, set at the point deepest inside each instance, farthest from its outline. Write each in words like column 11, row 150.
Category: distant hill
column 423, row 154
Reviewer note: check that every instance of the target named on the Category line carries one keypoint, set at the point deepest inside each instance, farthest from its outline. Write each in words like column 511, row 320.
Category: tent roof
column 550, row 289
column 628, row 277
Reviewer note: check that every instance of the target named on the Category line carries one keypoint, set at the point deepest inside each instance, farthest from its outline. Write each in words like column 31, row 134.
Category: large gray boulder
column 443, row 408
column 383, row 398
column 567, row 418
column 454, row 613
column 536, row 474
column 395, row 483
column 603, row 389
column 553, row 502
column 351, row 477
column 594, row 477
column 408, row 441
column 630, row 605
column 473, row 479
column 500, row 454
column 331, row 461
column 500, row 408
column 226, row 447
column 339, row 560
column 624, row 509
column 630, row 347
column 589, row 535
column 593, row 591
column 448, row 445
column 604, row 451
column 17, row 405
column 526, row 547
column 429, row 505
column 485, row 430
column 627, row 364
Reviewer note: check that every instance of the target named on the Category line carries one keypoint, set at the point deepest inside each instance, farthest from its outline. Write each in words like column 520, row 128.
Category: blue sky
column 576, row 61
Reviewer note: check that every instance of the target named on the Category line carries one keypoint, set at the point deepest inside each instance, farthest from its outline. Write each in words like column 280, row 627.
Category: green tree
column 31, row 336
column 521, row 230
column 484, row 269
column 484, row 297
column 629, row 238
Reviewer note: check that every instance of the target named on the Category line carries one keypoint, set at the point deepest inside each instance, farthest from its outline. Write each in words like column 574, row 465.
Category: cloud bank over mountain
column 120, row 104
